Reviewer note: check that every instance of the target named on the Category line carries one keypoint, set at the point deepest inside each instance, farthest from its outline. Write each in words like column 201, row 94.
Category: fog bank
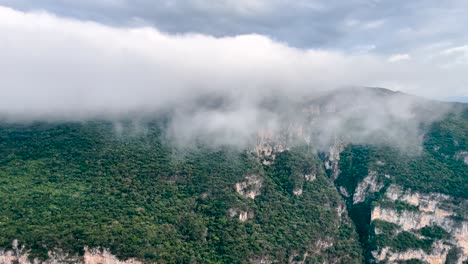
column 59, row 69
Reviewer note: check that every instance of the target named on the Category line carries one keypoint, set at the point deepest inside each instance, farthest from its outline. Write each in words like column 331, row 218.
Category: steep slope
column 347, row 178
column 69, row 191
column 411, row 207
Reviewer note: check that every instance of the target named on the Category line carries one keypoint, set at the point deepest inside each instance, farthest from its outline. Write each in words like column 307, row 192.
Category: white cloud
column 452, row 57
column 455, row 50
column 364, row 48
column 57, row 66
column 399, row 57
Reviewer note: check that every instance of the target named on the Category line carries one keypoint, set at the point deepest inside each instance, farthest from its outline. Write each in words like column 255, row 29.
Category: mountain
column 362, row 175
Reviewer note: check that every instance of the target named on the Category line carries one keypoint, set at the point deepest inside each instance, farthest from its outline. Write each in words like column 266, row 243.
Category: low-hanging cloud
column 55, row 68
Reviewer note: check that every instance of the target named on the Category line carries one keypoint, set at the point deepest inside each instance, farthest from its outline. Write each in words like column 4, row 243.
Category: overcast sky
column 80, row 60
column 65, row 53
column 393, row 26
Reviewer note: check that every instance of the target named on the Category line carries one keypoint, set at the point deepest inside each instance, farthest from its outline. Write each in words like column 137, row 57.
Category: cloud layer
column 389, row 27
column 59, row 68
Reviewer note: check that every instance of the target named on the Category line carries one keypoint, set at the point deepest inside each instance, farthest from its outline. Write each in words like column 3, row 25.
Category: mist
column 222, row 90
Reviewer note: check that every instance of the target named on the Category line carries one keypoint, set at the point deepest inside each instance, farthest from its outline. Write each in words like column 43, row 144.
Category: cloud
column 239, row 7
column 59, row 68
column 456, row 50
column 399, row 57
column 364, row 25
column 403, row 26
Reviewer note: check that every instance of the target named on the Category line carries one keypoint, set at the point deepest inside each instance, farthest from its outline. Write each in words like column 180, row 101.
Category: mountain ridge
column 68, row 186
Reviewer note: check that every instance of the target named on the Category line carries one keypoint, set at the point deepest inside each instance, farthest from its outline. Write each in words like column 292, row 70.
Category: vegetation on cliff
column 70, row 185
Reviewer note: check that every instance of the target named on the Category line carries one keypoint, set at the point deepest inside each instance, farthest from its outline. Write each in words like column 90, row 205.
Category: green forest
column 71, row 185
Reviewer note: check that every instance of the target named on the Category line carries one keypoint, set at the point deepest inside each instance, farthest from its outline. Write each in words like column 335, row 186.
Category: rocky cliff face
column 91, row 256
column 251, row 187
column 462, row 155
column 369, row 185
column 424, row 210
column 332, row 159
column 439, row 255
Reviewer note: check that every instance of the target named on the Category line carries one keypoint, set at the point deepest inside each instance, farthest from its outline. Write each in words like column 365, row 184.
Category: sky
column 425, row 37
column 107, row 58
column 385, row 27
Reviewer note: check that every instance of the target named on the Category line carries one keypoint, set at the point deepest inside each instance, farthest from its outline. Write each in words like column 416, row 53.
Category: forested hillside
column 70, row 186
column 409, row 203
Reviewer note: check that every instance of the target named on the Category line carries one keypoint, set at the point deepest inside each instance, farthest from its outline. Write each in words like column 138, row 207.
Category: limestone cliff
column 91, row 256
column 251, row 187
column 424, row 210
column 370, row 184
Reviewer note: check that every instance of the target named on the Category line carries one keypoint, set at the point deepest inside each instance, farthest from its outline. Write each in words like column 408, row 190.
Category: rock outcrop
column 267, row 147
column 243, row 215
column 463, row 156
column 369, row 185
column 251, row 187
column 426, row 210
column 91, row 256
column 333, row 159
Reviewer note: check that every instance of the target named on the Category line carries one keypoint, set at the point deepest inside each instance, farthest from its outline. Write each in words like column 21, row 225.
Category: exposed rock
column 91, row 256
column 367, row 186
column 263, row 260
column 342, row 213
column 268, row 146
column 462, row 155
column 232, row 212
column 380, row 163
column 377, row 231
column 426, row 202
column 297, row 192
column 343, row 191
column 242, row 214
column 438, row 255
column 303, row 261
column 251, row 187
column 333, row 159
column 323, row 244
column 320, row 246
column 268, row 150
column 432, row 210
column 410, row 220
column 310, row 177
